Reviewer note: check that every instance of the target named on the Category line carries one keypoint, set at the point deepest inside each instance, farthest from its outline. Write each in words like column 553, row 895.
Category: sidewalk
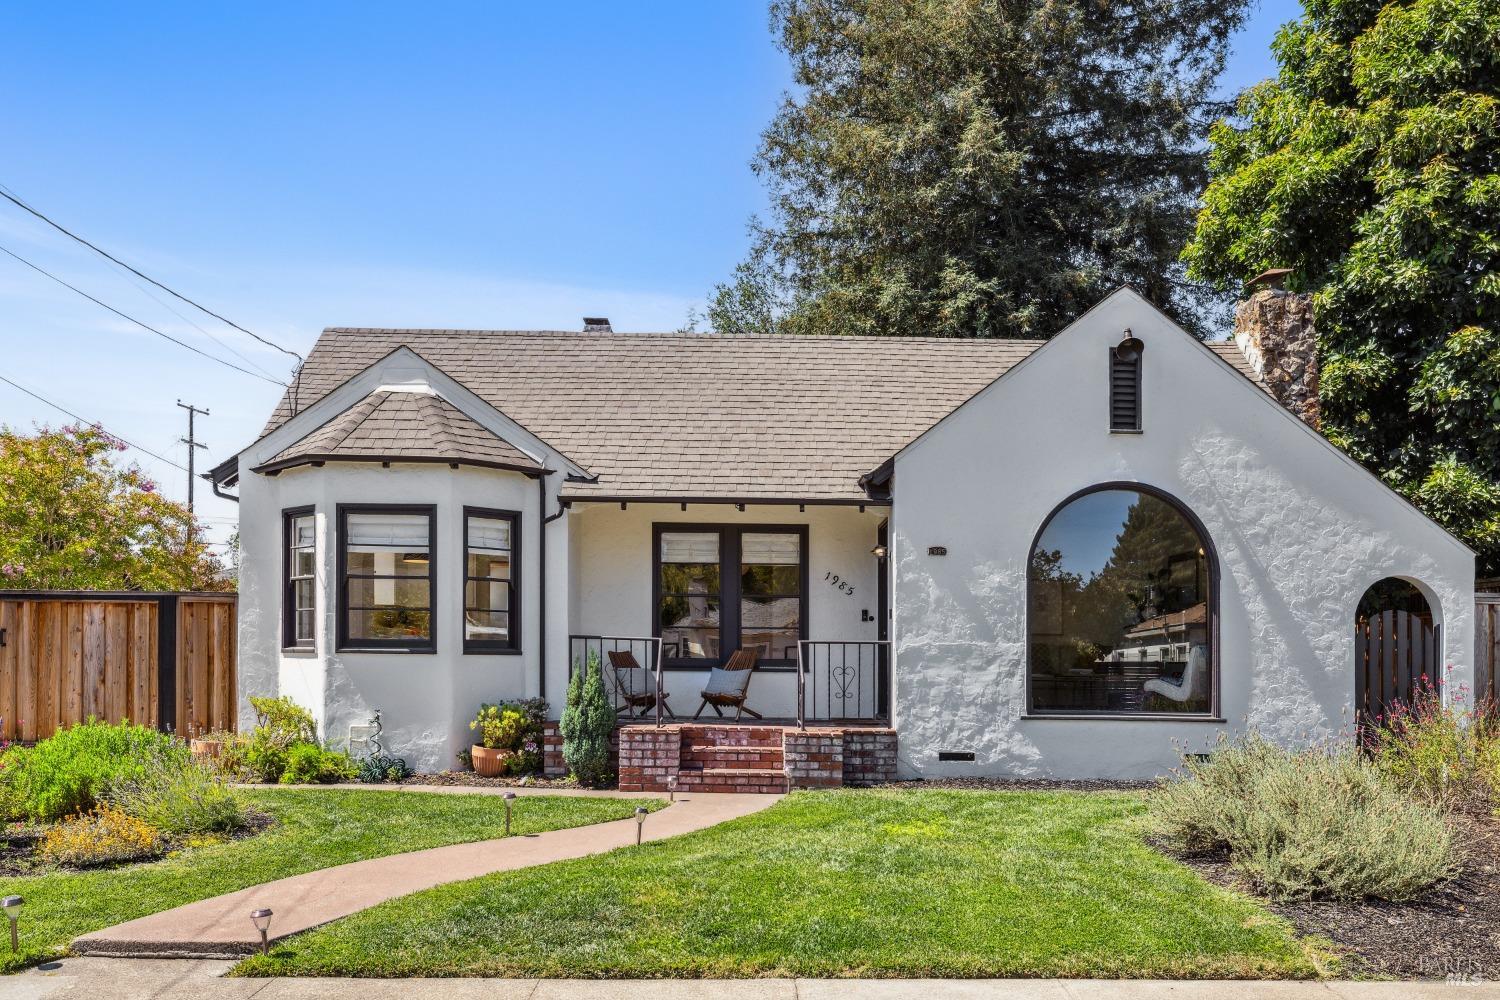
column 123, row 979
column 220, row 927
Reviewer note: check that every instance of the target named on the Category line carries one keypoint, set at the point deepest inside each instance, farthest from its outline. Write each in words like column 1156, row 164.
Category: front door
column 883, row 616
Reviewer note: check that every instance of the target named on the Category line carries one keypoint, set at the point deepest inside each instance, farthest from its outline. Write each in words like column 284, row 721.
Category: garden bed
column 1451, row 932
column 19, row 844
column 469, row 779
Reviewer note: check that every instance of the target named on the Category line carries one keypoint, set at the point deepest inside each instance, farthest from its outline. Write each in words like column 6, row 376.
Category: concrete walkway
column 116, row 979
column 220, row 927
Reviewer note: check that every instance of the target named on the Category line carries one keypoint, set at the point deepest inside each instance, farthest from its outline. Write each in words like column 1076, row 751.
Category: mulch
column 1452, row 933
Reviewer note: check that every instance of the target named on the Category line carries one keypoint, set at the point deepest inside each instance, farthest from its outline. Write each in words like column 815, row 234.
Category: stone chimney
column 1274, row 330
column 597, row 324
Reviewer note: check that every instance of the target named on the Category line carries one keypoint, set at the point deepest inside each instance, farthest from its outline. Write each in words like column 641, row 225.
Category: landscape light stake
column 671, row 788
column 510, row 797
column 640, row 823
column 12, row 907
column 262, row 920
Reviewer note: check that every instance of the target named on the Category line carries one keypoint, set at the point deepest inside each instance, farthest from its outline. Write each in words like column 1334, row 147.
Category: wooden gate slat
column 9, row 670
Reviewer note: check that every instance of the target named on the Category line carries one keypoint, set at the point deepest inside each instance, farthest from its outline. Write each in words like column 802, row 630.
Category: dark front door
column 883, row 617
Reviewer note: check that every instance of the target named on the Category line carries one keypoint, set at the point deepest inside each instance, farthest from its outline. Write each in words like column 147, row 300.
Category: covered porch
column 662, row 593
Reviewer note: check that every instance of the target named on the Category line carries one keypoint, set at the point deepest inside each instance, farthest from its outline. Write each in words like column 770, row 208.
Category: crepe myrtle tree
column 71, row 518
column 1370, row 166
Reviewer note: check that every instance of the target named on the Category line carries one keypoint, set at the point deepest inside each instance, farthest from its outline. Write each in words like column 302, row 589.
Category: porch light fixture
column 1129, row 348
column 510, row 798
column 672, row 787
column 12, row 907
column 261, row 918
column 879, row 551
column 640, row 823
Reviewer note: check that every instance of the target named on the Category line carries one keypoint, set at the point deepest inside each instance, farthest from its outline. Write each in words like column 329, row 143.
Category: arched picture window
column 1121, row 612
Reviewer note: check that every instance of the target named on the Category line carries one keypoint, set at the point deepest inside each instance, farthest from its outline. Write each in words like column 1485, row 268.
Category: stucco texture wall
column 1300, row 531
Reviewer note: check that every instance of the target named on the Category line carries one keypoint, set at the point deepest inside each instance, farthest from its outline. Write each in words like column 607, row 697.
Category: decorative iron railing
column 843, row 680
column 635, row 691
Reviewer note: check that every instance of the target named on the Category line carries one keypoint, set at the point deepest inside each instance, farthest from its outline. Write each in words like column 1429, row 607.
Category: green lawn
column 316, row 829
column 844, row 883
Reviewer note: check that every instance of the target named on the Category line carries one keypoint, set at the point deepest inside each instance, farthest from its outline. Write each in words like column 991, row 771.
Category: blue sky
column 296, row 166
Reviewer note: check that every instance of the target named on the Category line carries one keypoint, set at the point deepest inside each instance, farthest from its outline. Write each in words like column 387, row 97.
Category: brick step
column 732, row 736
column 732, row 779
column 718, row 757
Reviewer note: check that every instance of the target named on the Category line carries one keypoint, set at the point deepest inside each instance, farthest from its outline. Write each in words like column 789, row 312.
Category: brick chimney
column 1274, row 330
column 597, row 324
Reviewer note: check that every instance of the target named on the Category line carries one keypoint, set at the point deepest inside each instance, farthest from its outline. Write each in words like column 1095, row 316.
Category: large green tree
column 72, row 519
column 984, row 168
column 1371, row 167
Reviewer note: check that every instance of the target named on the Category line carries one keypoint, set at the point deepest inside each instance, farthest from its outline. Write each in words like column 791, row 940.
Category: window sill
column 305, row 652
column 1126, row 430
column 387, row 649
column 1121, row 717
column 482, row 651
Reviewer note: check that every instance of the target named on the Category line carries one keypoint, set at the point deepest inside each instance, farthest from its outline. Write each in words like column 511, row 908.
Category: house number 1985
column 834, row 580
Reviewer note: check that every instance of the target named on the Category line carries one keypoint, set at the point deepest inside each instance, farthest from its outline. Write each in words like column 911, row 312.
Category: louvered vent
column 1125, row 386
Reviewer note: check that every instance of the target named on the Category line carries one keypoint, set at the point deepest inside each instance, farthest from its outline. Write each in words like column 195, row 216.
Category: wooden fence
column 1486, row 644
column 1392, row 652
column 165, row 660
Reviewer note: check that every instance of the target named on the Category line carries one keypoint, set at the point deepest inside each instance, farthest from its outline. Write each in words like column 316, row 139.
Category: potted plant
column 501, row 730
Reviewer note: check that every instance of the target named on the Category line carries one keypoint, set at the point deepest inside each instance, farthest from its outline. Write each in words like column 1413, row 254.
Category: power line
column 91, row 423
column 6, row 194
column 143, row 326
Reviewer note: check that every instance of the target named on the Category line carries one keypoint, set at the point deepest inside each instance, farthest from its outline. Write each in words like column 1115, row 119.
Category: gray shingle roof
column 402, row 426
column 699, row 415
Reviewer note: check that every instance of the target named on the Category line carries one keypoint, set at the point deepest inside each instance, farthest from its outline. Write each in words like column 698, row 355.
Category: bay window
column 299, row 583
column 386, row 571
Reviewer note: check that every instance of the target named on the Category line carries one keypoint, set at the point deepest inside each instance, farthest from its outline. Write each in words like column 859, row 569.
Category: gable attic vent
column 597, row 324
column 1125, row 384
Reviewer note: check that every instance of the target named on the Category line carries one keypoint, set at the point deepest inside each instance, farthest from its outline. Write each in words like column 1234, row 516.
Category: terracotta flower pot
column 490, row 763
column 205, row 748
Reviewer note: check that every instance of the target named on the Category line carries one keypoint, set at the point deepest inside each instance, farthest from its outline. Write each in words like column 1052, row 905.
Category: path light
column 510, row 798
column 640, row 823
column 12, row 907
column 262, row 920
column 672, row 787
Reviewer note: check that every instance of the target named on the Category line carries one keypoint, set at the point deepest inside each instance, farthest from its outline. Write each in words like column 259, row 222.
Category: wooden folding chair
column 728, row 686
column 636, row 703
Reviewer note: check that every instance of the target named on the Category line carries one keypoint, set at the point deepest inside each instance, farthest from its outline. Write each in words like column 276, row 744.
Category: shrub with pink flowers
column 1442, row 751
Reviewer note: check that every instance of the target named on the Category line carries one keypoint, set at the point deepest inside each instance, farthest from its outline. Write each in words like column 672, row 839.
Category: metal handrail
column 650, row 642
column 805, row 664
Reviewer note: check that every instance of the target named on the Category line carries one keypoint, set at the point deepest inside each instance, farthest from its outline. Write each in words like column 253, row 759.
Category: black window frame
column 1214, row 713
column 731, row 551
column 289, row 640
column 363, row 645
column 493, row 647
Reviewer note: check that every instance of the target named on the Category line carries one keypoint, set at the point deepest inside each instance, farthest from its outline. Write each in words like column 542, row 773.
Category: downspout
column 541, row 603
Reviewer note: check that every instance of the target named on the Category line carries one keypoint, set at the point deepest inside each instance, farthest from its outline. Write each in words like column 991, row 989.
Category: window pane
column 491, row 625
column 491, row 596
column 771, row 644
column 302, row 594
column 396, row 592
column 494, row 566
column 304, row 626
column 390, row 623
column 771, row 580
column 302, row 562
column 387, row 562
column 1118, row 610
column 391, row 531
column 302, row 531
column 771, row 625
column 773, row 550
column 489, row 533
column 690, row 643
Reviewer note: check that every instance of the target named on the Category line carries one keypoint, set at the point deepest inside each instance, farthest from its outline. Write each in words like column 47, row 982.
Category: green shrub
column 308, row 763
column 70, row 771
column 103, row 837
column 1442, row 753
column 587, row 722
column 180, row 797
column 1301, row 824
column 263, row 754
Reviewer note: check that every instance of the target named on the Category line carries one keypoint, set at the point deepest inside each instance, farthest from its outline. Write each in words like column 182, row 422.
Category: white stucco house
column 1012, row 557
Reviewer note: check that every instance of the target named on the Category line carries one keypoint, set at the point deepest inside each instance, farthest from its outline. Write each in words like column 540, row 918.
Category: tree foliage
column 1371, row 167
column 71, row 519
column 979, row 167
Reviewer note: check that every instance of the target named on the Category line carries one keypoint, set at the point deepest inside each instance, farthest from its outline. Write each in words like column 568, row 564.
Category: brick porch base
column 736, row 758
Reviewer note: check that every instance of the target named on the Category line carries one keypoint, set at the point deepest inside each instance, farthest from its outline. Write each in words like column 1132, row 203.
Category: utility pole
column 193, row 445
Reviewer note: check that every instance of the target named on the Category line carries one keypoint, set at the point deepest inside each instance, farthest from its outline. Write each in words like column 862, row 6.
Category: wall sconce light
column 12, row 907
column 879, row 551
column 640, row 823
column 262, row 920
column 510, row 798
